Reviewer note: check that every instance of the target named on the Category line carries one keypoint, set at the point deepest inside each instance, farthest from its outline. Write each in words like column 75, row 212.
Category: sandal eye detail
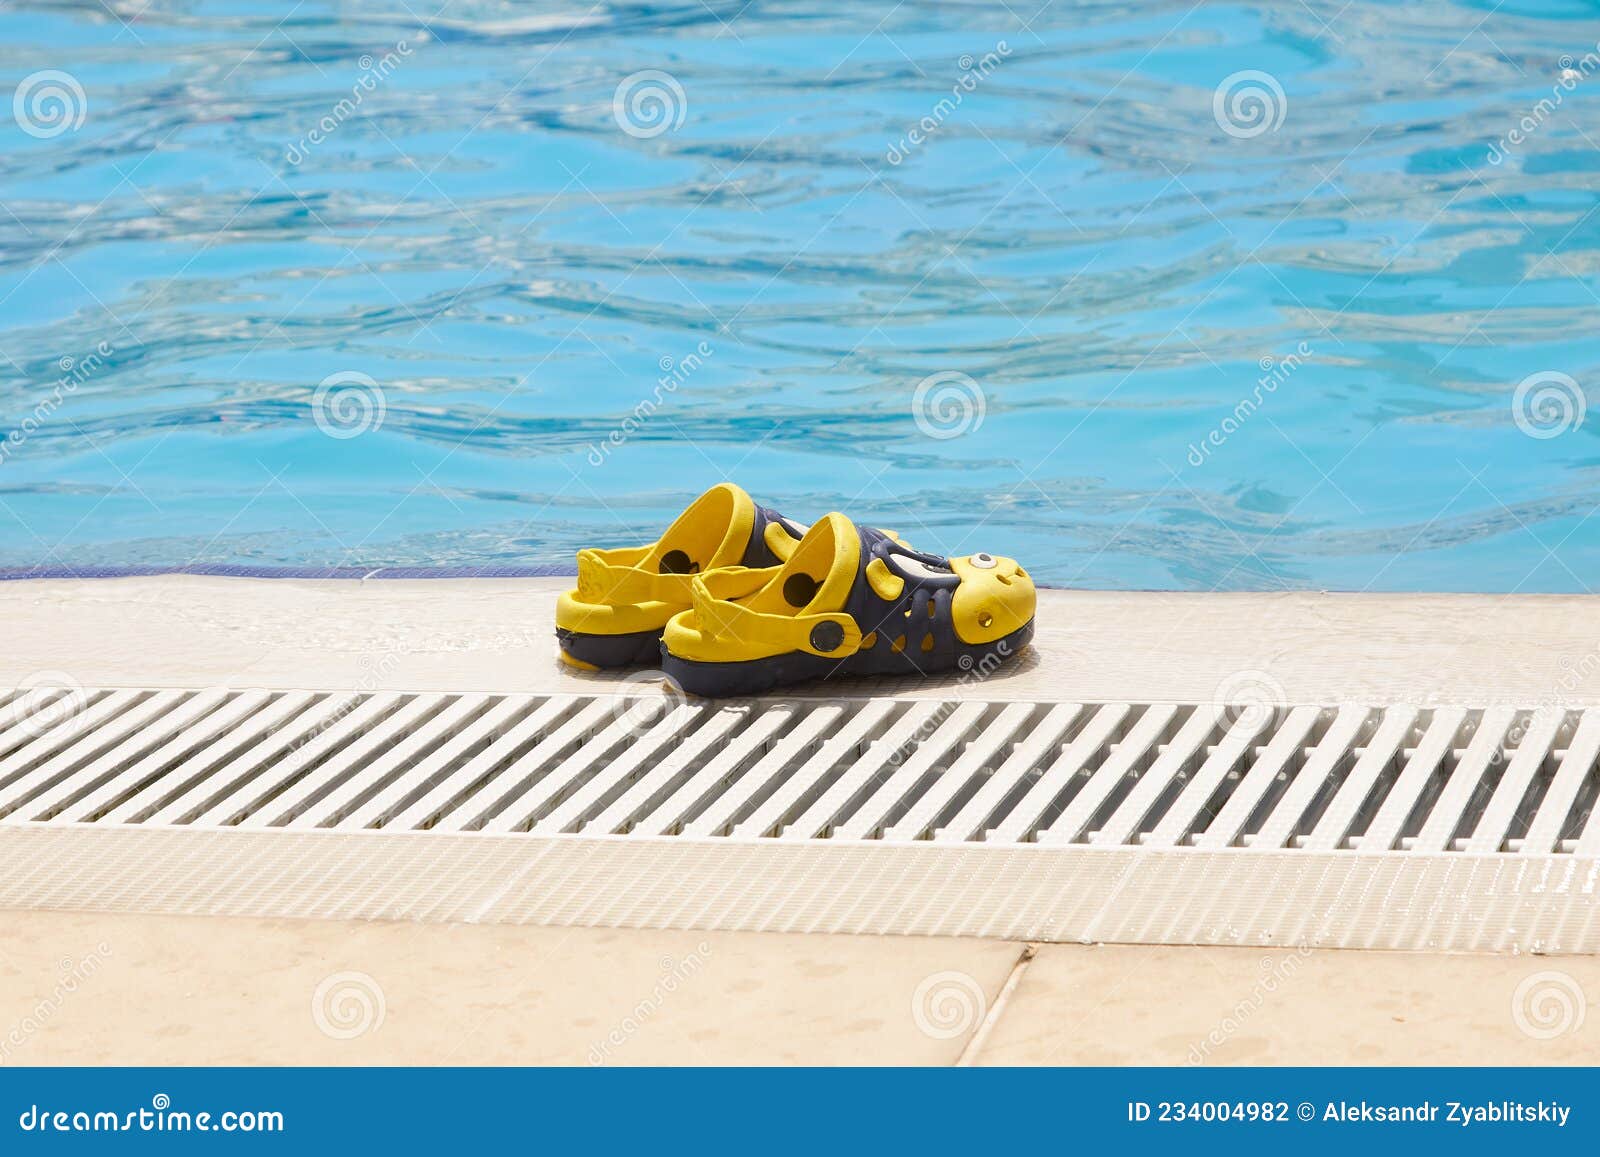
column 994, row 599
column 819, row 613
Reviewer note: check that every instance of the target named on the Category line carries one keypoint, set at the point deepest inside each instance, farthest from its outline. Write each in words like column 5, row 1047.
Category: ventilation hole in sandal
column 869, row 640
column 985, row 620
column 799, row 589
column 908, row 612
column 677, row 562
column 899, row 644
column 927, row 643
column 933, row 608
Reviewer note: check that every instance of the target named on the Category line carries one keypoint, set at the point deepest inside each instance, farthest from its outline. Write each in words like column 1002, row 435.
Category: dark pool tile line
column 227, row 570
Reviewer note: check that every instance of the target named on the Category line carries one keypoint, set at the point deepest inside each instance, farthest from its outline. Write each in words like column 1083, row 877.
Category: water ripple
column 1205, row 353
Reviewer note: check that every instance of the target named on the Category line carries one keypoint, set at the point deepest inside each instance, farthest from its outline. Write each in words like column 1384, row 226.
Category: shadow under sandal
column 848, row 601
column 626, row 595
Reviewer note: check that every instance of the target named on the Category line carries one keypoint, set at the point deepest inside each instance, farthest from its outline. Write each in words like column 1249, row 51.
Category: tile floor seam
column 1002, row 999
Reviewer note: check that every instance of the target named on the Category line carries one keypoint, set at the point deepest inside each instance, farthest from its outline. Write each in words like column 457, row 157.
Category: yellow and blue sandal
column 848, row 601
column 626, row 595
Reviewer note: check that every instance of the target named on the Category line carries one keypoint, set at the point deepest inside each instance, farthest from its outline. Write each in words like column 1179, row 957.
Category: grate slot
column 1329, row 762
column 722, row 814
column 1225, row 828
column 132, row 757
column 868, row 818
column 1551, row 819
column 726, row 767
column 197, row 802
column 114, row 740
column 1379, row 753
column 452, row 794
column 344, row 789
column 1046, row 737
column 811, row 778
column 868, row 769
column 1096, row 743
column 1177, row 759
column 21, row 716
column 76, row 805
column 1383, row 833
column 424, row 774
column 146, row 804
column 64, row 735
column 1587, row 842
column 311, row 781
column 1447, row 813
column 640, row 795
column 528, row 768
column 610, row 780
column 995, row 736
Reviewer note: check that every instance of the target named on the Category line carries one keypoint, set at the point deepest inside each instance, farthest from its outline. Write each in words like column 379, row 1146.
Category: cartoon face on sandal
column 995, row 597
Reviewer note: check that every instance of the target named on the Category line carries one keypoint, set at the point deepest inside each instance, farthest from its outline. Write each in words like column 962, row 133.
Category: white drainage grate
column 1367, row 779
column 1109, row 820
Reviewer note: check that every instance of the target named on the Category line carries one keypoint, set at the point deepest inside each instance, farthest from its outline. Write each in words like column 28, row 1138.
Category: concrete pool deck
column 183, row 990
column 494, row 634
column 176, row 989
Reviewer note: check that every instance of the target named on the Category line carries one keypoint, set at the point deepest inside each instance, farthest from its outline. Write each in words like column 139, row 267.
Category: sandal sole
column 607, row 652
column 753, row 676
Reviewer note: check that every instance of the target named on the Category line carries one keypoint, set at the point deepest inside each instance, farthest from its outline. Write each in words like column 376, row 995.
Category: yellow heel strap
column 611, row 580
column 717, row 617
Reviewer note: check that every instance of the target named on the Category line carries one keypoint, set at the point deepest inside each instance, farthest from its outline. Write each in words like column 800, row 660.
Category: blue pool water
column 1213, row 296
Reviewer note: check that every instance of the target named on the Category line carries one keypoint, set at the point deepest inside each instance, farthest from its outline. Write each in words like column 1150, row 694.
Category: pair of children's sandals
column 735, row 599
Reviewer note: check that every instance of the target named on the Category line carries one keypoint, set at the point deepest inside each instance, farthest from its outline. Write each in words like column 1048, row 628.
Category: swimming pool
column 1207, row 297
